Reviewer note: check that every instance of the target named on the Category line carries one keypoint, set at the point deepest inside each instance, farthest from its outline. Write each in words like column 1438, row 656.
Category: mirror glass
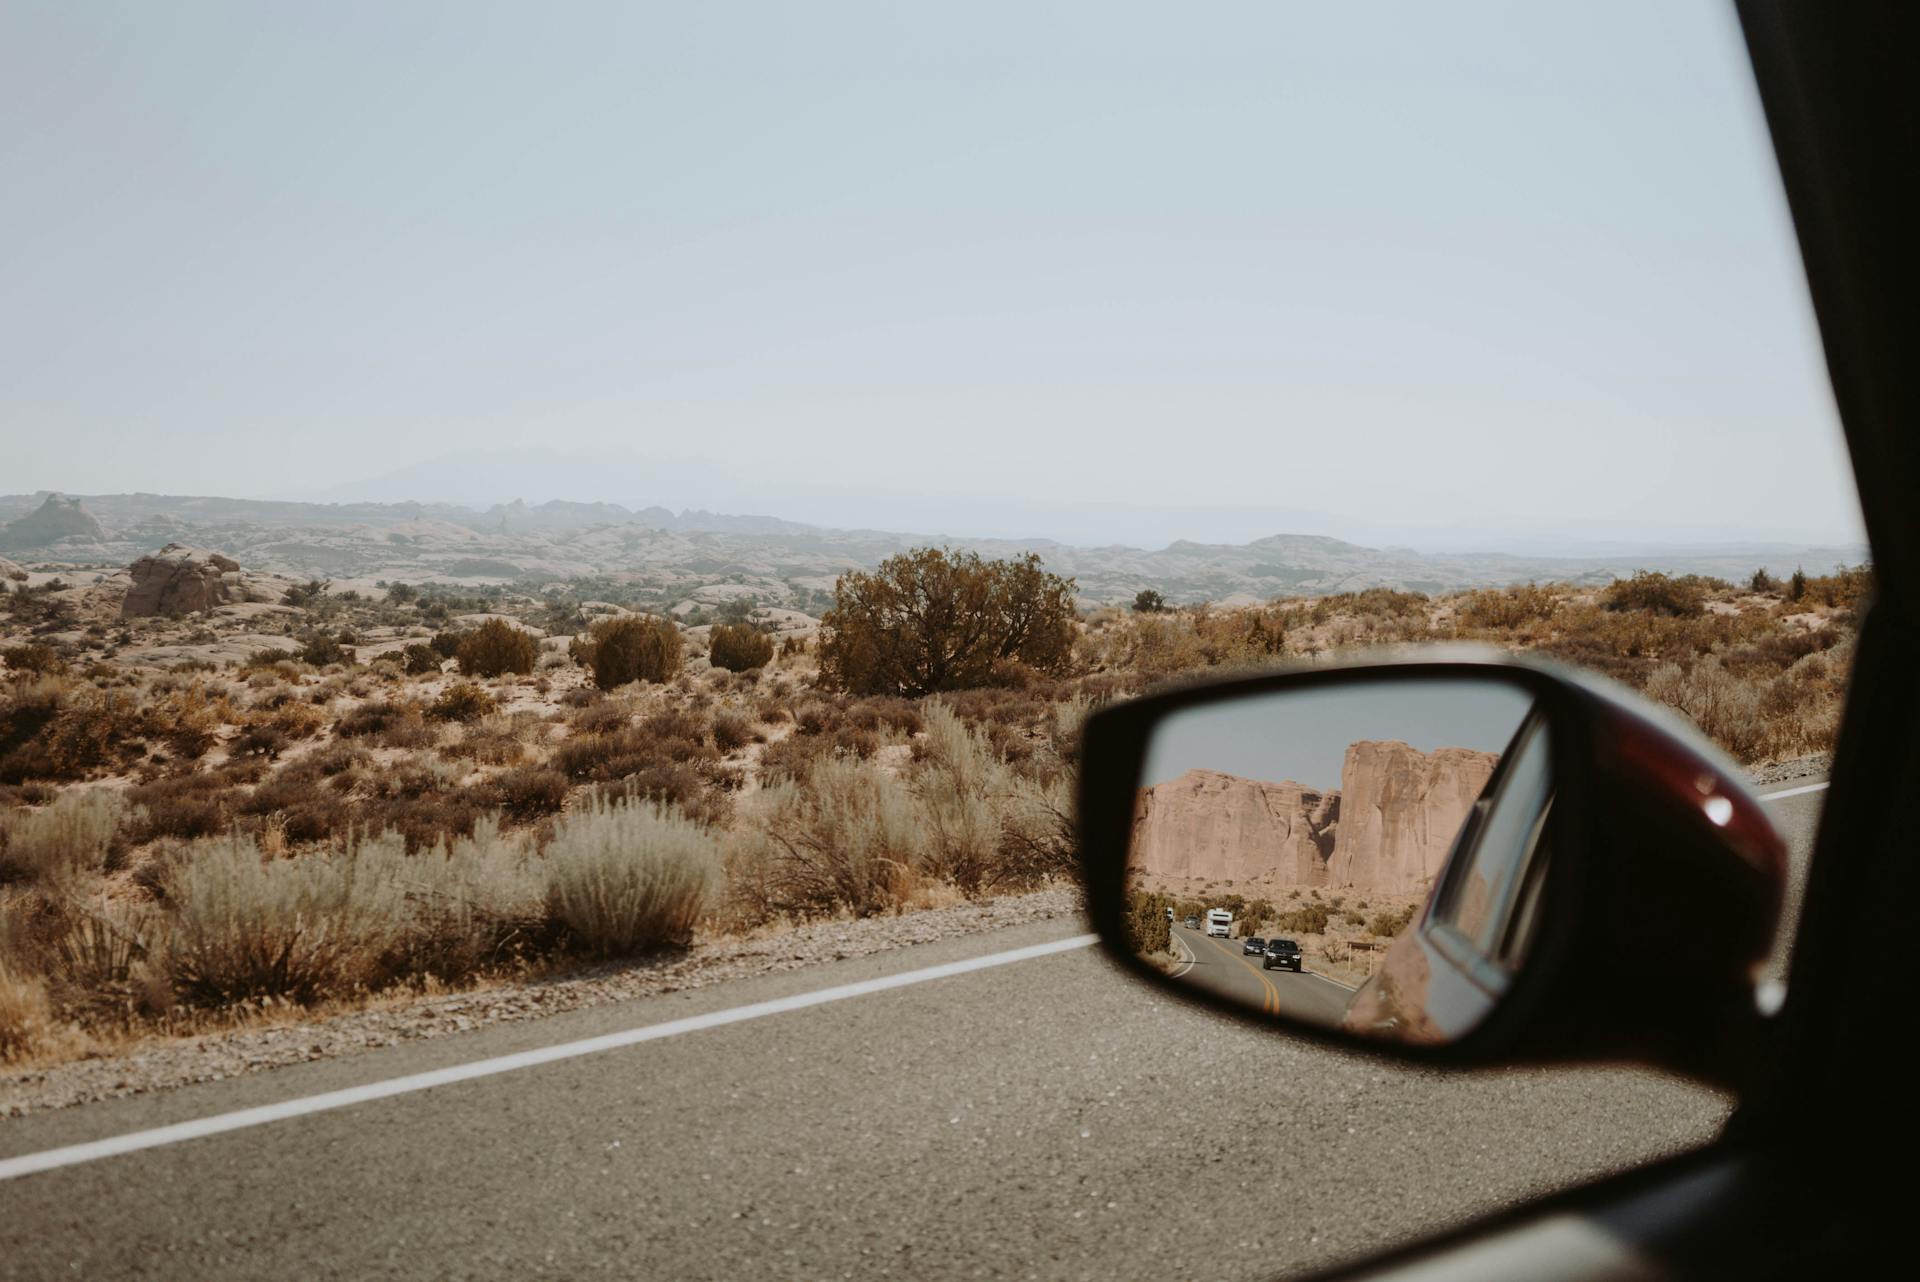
column 1365, row 856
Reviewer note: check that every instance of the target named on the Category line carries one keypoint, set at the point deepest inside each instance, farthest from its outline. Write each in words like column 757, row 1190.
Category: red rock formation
column 1387, row 830
column 1217, row 826
column 1400, row 811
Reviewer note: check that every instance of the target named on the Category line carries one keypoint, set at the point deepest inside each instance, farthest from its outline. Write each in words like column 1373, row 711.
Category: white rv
column 1219, row 922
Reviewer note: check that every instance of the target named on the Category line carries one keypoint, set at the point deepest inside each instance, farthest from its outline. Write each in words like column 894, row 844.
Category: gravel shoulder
column 165, row 1063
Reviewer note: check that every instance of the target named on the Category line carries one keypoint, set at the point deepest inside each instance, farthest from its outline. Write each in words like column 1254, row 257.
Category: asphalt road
column 1046, row 1118
column 1220, row 965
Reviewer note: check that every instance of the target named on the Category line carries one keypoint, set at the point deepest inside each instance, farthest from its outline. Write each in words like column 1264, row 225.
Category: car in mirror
column 1471, row 860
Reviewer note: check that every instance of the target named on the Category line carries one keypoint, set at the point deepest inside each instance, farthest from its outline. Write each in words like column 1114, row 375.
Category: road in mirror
column 1363, row 856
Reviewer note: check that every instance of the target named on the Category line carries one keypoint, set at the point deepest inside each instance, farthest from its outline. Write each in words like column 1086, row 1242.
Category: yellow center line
column 1271, row 1004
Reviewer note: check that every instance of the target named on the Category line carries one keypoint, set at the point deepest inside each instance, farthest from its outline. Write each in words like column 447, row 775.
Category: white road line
column 1793, row 792
column 74, row 1154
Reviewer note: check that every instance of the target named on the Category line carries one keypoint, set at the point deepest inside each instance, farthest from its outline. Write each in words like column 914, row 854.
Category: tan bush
column 495, row 648
column 67, row 838
column 629, row 875
column 848, row 840
column 462, row 701
column 299, row 929
column 472, row 905
column 1724, row 707
column 1505, row 608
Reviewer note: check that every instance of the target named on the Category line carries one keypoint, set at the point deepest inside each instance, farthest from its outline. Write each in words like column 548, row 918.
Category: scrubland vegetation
column 433, row 789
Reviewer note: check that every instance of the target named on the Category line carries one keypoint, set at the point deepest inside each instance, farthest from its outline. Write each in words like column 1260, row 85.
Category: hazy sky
column 1464, row 267
column 1303, row 736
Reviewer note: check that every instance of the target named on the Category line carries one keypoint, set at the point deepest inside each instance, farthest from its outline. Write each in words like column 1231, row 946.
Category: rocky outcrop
column 1400, row 811
column 1387, row 829
column 53, row 521
column 183, row 580
column 10, row 574
column 1221, row 827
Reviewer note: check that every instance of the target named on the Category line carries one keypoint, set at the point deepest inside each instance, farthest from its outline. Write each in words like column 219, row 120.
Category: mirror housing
column 1651, row 921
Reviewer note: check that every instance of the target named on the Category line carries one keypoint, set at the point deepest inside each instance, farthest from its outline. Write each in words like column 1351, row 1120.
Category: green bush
column 320, row 649
column 630, row 648
column 496, row 648
column 739, row 646
column 420, row 659
column 932, row 620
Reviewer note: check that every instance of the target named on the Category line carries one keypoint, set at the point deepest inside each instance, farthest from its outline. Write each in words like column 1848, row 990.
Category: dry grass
column 63, row 841
column 630, row 875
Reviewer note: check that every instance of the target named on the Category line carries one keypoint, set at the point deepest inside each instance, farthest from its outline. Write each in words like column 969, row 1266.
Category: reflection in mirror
column 1365, row 856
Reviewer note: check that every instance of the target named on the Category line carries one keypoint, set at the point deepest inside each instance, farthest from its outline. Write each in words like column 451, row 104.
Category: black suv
column 1281, row 952
column 1253, row 947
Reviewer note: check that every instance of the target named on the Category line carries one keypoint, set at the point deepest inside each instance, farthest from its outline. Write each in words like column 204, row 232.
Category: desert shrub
column 1148, row 927
column 847, row 840
column 885, row 713
column 295, row 720
column 446, row 643
column 42, row 660
column 184, row 806
column 495, row 648
column 243, row 927
column 528, row 792
column 463, row 701
column 738, row 647
column 1680, row 598
column 1724, row 707
column 628, row 875
column 259, row 741
column 630, row 648
column 1762, row 581
column 1308, row 919
column 732, row 731
column 419, row 659
column 387, row 722
column 933, row 620
column 1843, row 589
column 26, row 1014
column 70, row 836
column 321, row 649
column 1147, row 601
column 1389, row 921
column 471, row 904
column 264, row 660
column 51, row 729
column 496, row 740
column 1506, row 608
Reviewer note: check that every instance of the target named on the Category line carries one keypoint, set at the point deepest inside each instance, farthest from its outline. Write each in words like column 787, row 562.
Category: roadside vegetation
column 403, row 791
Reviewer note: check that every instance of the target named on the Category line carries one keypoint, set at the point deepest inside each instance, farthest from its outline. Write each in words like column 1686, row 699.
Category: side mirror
column 1471, row 862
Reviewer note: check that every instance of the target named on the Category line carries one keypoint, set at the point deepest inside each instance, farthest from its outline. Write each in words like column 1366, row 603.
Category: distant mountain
column 56, row 520
column 676, row 555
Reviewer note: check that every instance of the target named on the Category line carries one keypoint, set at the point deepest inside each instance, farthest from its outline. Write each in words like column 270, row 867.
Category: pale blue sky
column 1442, row 267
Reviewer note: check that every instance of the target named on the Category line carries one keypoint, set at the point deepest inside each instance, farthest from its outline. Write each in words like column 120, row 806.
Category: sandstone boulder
column 184, row 580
